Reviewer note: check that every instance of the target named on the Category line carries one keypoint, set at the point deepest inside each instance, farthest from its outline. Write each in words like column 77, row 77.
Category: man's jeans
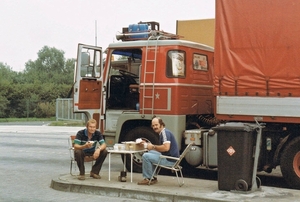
column 152, row 157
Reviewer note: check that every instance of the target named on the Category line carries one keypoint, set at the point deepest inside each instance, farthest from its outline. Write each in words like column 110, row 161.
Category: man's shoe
column 95, row 176
column 154, row 180
column 146, row 181
column 81, row 177
column 143, row 182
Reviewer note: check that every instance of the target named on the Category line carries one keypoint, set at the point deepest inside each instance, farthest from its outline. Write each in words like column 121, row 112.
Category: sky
column 29, row 25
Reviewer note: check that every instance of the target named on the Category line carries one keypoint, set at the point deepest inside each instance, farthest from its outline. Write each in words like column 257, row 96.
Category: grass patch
column 52, row 121
column 67, row 123
column 26, row 119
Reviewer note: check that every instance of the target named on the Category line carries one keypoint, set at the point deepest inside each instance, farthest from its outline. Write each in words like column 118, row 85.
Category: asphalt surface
column 31, row 156
column 36, row 169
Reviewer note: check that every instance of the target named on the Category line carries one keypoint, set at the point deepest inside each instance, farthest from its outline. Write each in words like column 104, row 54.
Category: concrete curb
column 122, row 190
column 167, row 189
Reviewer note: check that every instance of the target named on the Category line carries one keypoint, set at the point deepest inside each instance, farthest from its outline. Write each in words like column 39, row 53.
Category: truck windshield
column 133, row 53
column 124, row 78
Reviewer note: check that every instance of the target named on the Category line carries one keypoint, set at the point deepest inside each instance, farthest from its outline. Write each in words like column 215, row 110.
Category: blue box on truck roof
column 136, row 28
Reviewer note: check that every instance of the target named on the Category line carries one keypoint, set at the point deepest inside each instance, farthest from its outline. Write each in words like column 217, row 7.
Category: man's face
column 156, row 126
column 91, row 128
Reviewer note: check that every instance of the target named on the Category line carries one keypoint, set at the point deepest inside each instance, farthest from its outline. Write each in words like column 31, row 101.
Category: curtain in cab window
column 176, row 64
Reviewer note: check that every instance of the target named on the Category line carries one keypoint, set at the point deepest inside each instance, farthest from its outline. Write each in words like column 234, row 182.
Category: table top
column 125, row 151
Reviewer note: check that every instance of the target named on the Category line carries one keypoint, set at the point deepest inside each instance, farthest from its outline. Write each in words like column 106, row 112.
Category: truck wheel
column 147, row 134
column 290, row 163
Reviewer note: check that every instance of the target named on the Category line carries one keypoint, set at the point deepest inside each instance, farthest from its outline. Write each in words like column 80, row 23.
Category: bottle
column 137, row 106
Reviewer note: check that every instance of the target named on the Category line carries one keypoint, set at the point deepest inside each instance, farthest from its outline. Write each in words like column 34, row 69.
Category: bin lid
column 236, row 126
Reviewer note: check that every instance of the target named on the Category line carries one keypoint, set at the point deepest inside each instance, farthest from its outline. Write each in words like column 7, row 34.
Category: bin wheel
column 258, row 182
column 241, row 185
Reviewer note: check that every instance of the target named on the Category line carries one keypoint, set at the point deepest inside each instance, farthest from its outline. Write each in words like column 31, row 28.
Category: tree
column 33, row 92
column 49, row 60
column 7, row 79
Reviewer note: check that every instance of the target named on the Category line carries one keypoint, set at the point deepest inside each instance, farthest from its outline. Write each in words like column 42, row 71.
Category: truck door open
column 88, row 81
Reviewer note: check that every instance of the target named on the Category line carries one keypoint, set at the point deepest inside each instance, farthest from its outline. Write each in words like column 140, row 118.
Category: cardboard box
column 133, row 146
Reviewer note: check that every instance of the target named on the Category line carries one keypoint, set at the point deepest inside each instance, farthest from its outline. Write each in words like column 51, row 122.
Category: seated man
column 168, row 146
column 90, row 142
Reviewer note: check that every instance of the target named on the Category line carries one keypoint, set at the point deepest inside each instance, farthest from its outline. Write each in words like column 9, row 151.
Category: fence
column 64, row 110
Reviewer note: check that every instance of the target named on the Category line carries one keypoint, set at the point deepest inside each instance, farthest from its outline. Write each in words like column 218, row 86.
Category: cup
column 145, row 145
column 130, row 147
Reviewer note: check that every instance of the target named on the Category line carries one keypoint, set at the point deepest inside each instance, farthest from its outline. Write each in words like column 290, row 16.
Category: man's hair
column 160, row 121
column 91, row 121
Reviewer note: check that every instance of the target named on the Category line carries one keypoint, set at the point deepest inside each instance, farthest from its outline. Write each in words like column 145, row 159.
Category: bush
column 45, row 110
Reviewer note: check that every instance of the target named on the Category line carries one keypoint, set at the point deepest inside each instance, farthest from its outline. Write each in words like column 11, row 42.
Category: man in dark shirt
column 90, row 142
column 168, row 146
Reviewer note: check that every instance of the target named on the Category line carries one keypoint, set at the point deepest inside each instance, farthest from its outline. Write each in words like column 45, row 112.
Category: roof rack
column 145, row 31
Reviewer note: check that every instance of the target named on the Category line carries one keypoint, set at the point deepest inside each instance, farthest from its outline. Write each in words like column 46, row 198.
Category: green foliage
column 50, row 66
column 3, row 105
column 34, row 91
column 45, row 110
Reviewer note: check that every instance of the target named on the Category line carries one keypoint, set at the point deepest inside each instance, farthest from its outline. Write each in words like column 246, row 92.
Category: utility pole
column 95, row 32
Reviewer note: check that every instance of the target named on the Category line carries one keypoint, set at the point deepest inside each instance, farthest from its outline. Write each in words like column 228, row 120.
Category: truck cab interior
column 124, row 77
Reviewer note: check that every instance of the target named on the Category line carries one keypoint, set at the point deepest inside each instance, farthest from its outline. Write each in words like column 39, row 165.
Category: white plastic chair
column 72, row 157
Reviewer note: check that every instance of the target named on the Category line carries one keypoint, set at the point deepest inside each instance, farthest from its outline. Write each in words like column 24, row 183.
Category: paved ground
column 167, row 189
column 39, row 157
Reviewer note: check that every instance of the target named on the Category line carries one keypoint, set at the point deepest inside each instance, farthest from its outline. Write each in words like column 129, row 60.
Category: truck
column 148, row 73
column 250, row 75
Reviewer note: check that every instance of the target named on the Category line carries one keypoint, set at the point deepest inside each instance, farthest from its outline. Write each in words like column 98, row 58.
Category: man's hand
column 96, row 153
column 145, row 145
column 150, row 146
column 88, row 145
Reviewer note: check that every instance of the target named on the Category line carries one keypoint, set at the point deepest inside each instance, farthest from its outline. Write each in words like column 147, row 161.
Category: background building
column 201, row 31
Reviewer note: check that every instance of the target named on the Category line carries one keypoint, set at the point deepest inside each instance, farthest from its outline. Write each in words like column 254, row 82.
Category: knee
column 104, row 152
column 78, row 152
column 145, row 156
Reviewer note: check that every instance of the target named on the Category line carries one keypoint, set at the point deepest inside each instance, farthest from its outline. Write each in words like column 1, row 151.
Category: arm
column 166, row 139
column 161, row 148
column 77, row 142
column 101, row 147
column 98, row 150
column 85, row 146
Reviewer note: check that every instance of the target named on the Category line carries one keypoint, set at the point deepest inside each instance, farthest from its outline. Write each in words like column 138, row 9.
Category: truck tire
column 147, row 134
column 290, row 163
